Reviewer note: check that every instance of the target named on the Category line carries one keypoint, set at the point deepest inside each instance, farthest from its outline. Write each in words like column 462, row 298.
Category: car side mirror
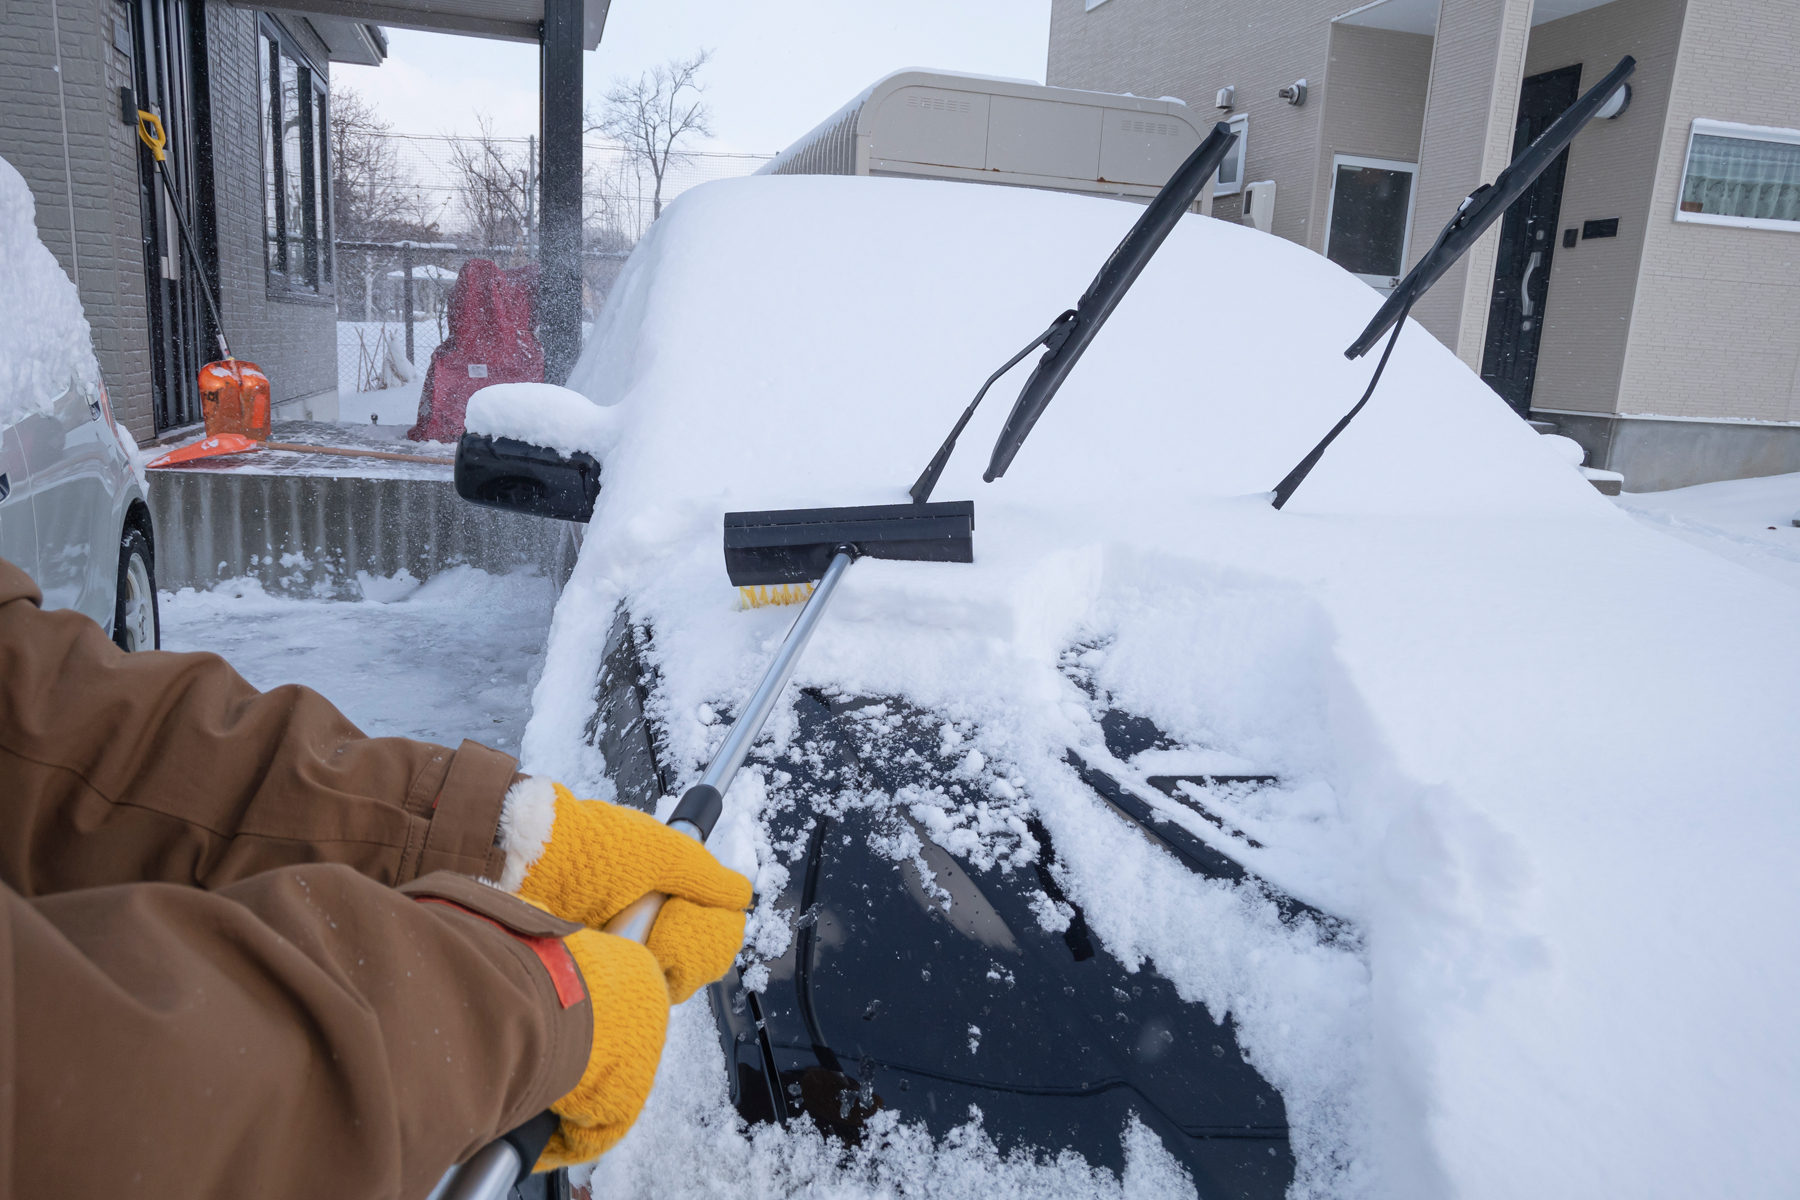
column 532, row 448
column 502, row 472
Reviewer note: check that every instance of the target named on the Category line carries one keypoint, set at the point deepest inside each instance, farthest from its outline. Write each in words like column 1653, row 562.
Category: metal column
column 559, row 244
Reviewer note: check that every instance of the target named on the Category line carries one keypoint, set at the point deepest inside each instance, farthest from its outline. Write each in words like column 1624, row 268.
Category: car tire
column 137, row 625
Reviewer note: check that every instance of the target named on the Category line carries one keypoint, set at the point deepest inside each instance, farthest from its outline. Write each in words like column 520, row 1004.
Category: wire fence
column 476, row 197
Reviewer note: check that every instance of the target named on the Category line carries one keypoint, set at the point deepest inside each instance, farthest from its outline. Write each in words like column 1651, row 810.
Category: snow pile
column 1753, row 522
column 541, row 414
column 1548, row 797
column 45, row 345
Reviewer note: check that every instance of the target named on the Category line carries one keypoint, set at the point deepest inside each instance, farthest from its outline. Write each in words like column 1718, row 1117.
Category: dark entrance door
column 169, row 84
column 1527, row 241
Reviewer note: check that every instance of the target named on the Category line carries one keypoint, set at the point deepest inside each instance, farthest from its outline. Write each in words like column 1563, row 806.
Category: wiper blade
column 1479, row 209
column 1488, row 203
column 1071, row 332
column 1068, row 339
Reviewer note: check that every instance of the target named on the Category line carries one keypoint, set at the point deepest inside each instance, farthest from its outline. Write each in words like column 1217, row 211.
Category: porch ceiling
column 1420, row 16
column 506, row 20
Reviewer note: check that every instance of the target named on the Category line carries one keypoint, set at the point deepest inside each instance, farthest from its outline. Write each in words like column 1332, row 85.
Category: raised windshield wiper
column 1480, row 209
column 1071, row 332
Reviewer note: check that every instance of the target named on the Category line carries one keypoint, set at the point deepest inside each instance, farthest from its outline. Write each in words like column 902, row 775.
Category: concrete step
column 307, row 524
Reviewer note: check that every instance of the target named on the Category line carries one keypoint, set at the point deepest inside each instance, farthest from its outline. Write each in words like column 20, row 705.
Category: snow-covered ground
column 1748, row 521
column 454, row 658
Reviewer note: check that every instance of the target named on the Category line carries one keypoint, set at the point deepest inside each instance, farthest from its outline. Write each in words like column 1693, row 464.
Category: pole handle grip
column 150, row 132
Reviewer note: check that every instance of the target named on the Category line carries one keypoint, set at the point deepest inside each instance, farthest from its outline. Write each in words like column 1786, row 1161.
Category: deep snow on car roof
column 1494, row 703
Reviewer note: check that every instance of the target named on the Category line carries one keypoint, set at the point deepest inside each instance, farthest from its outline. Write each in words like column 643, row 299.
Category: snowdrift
column 45, row 343
column 1540, row 757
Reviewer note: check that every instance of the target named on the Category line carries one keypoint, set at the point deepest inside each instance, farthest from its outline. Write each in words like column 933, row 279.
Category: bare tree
column 373, row 197
column 498, row 187
column 654, row 115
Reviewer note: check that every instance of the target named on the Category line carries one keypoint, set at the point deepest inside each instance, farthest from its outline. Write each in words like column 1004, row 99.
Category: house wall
column 1373, row 101
column 105, row 253
column 1166, row 48
column 293, row 340
column 1471, row 107
column 1714, row 329
column 1612, row 169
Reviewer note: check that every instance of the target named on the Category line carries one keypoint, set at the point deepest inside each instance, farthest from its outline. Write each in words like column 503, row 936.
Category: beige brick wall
column 1373, row 99
column 1714, row 329
column 1612, row 168
column 1477, row 61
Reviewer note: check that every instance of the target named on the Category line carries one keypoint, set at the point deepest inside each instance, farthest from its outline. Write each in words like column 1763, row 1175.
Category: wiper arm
column 1480, row 209
column 1071, row 332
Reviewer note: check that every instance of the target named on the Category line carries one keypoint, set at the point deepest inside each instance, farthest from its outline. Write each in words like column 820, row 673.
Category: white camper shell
column 938, row 125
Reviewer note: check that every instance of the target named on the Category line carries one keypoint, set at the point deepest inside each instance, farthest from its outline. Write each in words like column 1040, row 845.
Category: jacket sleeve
column 305, row 1032
column 171, row 768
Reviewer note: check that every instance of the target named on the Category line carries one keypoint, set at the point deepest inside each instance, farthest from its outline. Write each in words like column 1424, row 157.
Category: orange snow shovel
column 234, row 394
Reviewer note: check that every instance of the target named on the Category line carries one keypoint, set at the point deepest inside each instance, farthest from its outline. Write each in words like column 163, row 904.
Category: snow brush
column 782, row 550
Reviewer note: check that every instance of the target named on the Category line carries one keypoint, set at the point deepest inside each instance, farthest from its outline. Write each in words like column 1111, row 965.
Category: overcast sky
column 779, row 67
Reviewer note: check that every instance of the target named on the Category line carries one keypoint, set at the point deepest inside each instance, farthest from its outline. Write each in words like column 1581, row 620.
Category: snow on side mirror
column 532, row 448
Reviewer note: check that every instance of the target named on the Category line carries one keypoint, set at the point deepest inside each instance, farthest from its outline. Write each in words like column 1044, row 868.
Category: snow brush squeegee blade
column 796, row 545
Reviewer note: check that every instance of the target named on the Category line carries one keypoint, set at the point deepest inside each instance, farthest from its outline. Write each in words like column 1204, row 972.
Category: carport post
column 559, row 237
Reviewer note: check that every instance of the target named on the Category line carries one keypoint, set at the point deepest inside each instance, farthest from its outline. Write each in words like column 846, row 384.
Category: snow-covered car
column 73, row 514
column 1429, row 836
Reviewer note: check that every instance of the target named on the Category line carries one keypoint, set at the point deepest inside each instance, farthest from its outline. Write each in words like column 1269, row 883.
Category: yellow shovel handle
column 150, row 132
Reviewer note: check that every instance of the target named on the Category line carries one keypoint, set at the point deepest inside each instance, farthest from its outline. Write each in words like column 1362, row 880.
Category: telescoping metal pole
column 497, row 1167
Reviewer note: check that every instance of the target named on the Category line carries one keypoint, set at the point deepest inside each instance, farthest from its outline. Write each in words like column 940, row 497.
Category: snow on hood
column 45, row 344
column 1542, row 758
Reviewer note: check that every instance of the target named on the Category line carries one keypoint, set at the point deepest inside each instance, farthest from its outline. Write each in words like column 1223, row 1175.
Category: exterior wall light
column 1294, row 93
column 1615, row 107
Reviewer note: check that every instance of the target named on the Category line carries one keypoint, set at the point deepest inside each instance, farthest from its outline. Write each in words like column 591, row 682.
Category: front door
column 1527, row 242
column 165, row 32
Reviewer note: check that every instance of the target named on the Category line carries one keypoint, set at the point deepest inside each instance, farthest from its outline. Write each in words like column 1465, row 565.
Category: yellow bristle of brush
column 763, row 595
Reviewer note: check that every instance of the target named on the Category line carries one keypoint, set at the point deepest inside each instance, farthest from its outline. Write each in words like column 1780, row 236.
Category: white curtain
column 1743, row 177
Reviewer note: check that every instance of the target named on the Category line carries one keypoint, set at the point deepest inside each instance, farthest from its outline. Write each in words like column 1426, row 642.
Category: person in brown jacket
column 248, row 951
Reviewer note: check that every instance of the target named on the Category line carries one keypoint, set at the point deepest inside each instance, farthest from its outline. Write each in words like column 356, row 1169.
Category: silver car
column 74, row 517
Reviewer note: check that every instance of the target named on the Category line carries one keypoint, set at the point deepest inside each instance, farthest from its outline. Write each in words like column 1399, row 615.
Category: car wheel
column 135, row 620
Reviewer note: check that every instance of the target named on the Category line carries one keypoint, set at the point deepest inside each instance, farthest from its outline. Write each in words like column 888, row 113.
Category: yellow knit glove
column 602, row 856
column 631, row 1016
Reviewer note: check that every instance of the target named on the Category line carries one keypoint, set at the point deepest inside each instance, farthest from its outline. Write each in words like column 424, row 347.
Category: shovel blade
column 207, row 447
column 234, row 398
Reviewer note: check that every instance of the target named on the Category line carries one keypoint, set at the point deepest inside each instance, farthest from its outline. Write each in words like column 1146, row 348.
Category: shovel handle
column 499, row 1166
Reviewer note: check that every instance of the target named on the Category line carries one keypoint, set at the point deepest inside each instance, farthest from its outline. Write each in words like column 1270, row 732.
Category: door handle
column 1537, row 256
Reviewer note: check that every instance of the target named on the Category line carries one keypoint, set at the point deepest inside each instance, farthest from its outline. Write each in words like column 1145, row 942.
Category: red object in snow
column 493, row 339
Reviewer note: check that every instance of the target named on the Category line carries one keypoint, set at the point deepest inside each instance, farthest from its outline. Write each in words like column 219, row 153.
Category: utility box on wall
column 1259, row 205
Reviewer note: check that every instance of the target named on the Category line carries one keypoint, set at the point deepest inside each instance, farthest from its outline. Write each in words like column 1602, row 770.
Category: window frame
column 1240, row 125
column 1748, row 133
column 312, row 280
column 1412, row 200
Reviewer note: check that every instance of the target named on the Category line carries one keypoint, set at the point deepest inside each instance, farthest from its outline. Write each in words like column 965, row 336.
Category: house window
column 1370, row 217
column 1747, row 175
column 1230, row 177
column 296, row 176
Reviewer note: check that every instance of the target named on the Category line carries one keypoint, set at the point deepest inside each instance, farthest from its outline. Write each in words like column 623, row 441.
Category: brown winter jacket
column 210, row 985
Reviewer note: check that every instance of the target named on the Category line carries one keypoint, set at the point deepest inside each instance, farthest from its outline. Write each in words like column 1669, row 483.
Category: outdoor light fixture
column 1227, row 96
column 1615, row 107
column 1294, row 93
